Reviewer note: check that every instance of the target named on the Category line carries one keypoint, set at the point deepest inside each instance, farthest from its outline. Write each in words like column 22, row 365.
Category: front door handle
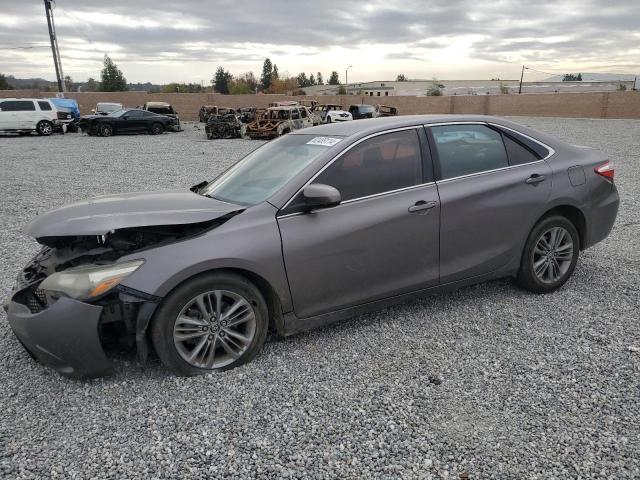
column 421, row 206
column 535, row 179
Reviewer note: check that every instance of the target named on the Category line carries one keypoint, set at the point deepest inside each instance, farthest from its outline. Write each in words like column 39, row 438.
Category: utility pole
column 54, row 44
column 346, row 79
column 521, row 76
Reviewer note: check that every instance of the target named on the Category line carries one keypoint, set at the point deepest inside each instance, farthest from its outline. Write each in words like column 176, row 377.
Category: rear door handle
column 421, row 206
column 535, row 179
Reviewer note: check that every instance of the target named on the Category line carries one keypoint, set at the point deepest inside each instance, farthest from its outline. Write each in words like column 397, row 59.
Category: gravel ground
column 488, row 380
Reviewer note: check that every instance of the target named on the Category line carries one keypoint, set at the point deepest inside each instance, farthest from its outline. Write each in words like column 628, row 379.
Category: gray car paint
column 103, row 214
column 359, row 255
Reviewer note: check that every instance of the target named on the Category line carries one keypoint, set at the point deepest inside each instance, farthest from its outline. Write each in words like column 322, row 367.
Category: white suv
column 25, row 115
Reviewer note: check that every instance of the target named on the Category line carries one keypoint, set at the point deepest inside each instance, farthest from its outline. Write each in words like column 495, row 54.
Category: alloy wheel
column 214, row 329
column 552, row 255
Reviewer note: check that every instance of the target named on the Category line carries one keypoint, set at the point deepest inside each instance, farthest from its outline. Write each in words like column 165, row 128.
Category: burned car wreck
column 73, row 284
column 223, row 126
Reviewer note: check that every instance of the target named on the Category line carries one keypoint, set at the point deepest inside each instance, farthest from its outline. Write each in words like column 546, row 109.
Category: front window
column 117, row 113
column 266, row 170
column 366, row 109
column 381, row 164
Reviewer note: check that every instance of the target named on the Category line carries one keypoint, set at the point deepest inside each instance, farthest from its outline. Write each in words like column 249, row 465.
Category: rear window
column 23, row 105
column 468, row 149
column 161, row 110
column 44, row 105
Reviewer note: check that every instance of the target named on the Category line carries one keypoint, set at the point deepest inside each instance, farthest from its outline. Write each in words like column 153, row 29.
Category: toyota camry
column 316, row 226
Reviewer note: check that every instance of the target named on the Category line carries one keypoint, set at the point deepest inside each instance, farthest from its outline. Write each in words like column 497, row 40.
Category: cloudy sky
column 162, row 41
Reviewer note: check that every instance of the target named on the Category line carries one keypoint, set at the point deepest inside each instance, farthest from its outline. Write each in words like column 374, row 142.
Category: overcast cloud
column 161, row 41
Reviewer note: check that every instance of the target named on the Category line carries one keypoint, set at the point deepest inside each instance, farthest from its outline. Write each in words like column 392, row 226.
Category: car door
column 26, row 115
column 8, row 120
column 136, row 121
column 380, row 241
column 489, row 199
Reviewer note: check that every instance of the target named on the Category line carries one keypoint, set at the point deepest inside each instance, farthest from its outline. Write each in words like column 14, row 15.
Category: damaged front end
column 68, row 302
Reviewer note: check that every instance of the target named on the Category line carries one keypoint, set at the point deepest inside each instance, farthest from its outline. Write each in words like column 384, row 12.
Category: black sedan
column 126, row 121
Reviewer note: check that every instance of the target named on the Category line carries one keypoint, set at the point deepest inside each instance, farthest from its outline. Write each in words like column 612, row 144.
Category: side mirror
column 318, row 195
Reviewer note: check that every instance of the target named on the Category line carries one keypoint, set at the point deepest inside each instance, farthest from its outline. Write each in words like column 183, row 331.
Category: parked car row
column 46, row 116
column 40, row 115
column 281, row 118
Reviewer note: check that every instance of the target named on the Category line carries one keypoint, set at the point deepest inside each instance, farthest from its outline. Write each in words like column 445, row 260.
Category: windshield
column 267, row 169
column 108, row 107
column 366, row 108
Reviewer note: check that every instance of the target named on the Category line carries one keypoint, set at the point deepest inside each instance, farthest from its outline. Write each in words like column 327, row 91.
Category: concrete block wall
column 576, row 105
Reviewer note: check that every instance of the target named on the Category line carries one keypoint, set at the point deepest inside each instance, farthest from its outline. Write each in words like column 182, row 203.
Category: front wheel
column 215, row 321
column 106, row 130
column 44, row 128
column 550, row 255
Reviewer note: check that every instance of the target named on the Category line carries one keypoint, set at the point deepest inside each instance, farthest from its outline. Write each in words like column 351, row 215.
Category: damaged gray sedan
column 316, row 226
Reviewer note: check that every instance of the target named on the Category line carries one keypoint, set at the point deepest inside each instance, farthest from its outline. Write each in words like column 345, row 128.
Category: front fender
column 249, row 241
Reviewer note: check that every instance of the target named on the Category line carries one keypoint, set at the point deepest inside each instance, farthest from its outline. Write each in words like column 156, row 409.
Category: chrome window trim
column 447, row 180
column 360, row 199
column 330, row 162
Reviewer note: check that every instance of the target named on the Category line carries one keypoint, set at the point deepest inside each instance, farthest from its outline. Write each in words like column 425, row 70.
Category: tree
column 182, row 88
column 275, row 75
column 68, row 83
column 319, row 80
column 267, row 73
column 401, row 78
column 249, row 79
column 312, row 79
column 91, row 85
column 342, row 90
column 240, row 88
column 334, row 79
column 570, row 77
column 112, row 79
column 435, row 89
column 4, row 84
column 286, row 85
column 303, row 81
column 221, row 81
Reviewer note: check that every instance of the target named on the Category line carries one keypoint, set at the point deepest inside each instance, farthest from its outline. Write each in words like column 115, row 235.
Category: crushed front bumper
column 64, row 336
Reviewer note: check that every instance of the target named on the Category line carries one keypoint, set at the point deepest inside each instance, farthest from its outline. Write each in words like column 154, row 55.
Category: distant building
column 467, row 87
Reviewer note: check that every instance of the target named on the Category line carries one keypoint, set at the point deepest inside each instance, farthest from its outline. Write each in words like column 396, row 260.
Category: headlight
column 88, row 282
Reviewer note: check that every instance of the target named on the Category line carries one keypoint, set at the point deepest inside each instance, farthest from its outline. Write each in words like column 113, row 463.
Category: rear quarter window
column 518, row 153
column 44, row 106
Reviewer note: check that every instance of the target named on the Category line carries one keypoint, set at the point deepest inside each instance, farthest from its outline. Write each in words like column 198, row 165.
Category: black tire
column 164, row 319
column 72, row 128
column 44, row 128
column 156, row 129
column 105, row 130
column 527, row 277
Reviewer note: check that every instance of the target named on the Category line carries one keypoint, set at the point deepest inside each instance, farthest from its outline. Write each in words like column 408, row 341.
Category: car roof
column 23, row 98
column 157, row 104
column 362, row 128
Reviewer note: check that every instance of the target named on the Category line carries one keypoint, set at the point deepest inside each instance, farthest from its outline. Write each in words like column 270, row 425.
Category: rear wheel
column 216, row 321
column 106, row 130
column 44, row 127
column 156, row 129
column 550, row 255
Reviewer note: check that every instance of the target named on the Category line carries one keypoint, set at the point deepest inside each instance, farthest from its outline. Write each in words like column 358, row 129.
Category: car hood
column 106, row 213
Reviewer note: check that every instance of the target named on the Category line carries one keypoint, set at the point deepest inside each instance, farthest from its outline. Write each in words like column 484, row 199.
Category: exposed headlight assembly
column 87, row 282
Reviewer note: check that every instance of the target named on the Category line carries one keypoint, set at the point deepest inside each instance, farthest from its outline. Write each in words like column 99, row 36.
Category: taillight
column 605, row 170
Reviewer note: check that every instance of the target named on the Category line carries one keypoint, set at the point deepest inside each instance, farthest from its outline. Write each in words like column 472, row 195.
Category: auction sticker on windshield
column 324, row 141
